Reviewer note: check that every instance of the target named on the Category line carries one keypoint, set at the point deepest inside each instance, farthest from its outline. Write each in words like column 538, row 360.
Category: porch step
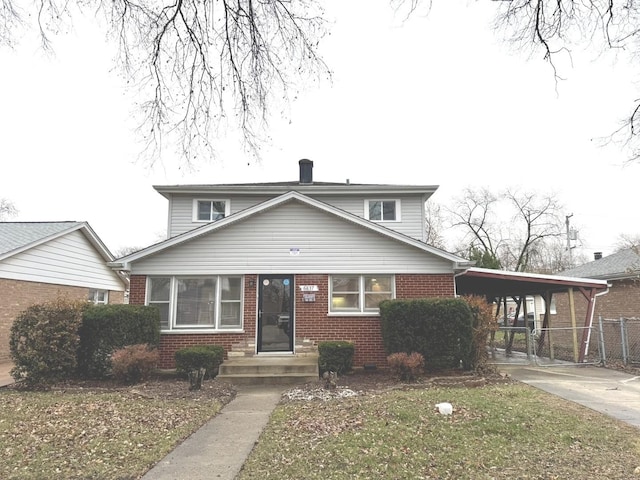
column 270, row 370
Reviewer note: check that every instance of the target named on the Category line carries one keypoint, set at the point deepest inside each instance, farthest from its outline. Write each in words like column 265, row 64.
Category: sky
column 438, row 99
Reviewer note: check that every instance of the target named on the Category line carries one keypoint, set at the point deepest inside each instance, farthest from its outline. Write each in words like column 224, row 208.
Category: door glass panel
column 275, row 318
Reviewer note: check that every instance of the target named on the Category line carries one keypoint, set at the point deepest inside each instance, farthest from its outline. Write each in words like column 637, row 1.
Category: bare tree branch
column 7, row 209
column 199, row 66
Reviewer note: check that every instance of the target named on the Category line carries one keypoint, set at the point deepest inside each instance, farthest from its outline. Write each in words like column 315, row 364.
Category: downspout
column 586, row 336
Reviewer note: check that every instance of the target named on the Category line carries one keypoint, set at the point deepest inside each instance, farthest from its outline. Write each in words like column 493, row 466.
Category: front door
column 275, row 313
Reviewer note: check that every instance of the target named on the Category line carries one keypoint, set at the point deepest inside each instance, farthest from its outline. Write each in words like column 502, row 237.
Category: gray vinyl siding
column 411, row 224
column 263, row 243
column 67, row 260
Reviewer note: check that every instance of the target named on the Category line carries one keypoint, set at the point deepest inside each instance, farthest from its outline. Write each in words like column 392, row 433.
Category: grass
column 91, row 435
column 496, row 432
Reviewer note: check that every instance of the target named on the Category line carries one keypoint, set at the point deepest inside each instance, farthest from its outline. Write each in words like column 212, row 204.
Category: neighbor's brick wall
column 311, row 318
column 17, row 295
column 622, row 300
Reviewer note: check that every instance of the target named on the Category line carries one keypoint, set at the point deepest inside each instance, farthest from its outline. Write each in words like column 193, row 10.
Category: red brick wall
column 137, row 289
column 17, row 295
column 311, row 319
column 622, row 300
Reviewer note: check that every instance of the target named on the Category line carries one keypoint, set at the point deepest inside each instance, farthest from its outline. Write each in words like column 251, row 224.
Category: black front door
column 275, row 313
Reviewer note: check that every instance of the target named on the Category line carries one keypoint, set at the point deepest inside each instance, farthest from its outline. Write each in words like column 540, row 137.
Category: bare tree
column 557, row 27
column 434, row 225
column 626, row 241
column 7, row 209
column 510, row 230
column 199, row 65
column 473, row 212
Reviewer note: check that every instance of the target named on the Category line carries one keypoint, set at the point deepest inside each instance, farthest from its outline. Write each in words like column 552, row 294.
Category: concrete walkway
column 607, row 391
column 219, row 449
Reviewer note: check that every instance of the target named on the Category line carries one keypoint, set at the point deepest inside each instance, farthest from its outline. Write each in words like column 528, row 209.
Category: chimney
column 597, row 255
column 306, row 171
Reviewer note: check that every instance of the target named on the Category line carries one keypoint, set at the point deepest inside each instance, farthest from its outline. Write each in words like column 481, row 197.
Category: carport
column 498, row 285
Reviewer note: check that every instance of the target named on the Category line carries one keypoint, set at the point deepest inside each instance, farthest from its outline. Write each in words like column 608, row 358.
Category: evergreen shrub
column 335, row 356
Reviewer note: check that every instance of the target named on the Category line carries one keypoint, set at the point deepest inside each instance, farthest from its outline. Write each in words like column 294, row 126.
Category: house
column 622, row 271
column 263, row 268
column 40, row 261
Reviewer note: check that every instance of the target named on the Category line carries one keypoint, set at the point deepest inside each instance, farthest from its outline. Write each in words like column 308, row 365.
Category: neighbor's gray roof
column 622, row 264
column 17, row 235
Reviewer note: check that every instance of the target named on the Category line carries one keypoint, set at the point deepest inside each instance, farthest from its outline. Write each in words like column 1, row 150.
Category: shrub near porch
column 441, row 330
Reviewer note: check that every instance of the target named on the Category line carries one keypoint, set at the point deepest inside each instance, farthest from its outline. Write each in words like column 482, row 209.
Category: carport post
column 572, row 312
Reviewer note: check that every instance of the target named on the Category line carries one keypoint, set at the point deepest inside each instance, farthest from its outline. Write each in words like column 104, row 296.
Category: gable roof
column 124, row 262
column 315, row 188
column 618, row 266
column 16, row 237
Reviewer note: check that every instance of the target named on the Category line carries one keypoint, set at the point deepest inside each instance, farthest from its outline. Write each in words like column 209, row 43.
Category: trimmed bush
column 107, row 328
column 134, row 363
column 406, row 367
column 193, row 358
column 335, row 356
column 440, row 329
column 44, row 341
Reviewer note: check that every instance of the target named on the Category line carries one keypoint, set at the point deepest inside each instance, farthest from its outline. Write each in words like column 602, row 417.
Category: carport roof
column 500, row 283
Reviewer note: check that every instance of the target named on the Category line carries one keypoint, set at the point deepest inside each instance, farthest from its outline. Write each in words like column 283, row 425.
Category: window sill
column 187, row 331
column 353, row 314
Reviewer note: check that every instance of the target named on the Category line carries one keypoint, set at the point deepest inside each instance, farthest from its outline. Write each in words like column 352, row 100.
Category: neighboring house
column 622, row 271
column 263, row 267
column 40, row 261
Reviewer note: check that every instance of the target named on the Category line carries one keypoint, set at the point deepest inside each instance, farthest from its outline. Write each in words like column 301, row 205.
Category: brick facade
column 622, row 300
column 18, row 295
column 311, row 318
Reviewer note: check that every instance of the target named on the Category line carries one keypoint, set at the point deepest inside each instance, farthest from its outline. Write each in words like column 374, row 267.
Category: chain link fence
column 619, row 340
column 545, row 347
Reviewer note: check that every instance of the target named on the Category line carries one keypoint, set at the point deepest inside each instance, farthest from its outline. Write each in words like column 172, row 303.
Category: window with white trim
column 382, row 210
column 188, row 303
column 360, row 293
column 98, row 297
column 210, row 210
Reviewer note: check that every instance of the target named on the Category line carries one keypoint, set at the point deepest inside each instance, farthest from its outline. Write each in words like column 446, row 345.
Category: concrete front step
column 275, row 370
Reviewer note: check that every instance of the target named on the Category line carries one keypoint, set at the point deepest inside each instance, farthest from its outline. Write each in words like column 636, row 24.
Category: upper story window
column 360, row 293
column 382, row 210
column 206, row 210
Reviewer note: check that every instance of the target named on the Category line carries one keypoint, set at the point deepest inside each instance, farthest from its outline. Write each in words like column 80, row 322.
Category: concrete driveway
column 611, row 392
column 5, row 375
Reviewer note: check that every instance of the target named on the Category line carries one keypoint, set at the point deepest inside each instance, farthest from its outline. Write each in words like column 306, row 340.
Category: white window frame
column 361, row 310
column 196, row 201
column 94, row 298
column 173, row 327
column 397, row 204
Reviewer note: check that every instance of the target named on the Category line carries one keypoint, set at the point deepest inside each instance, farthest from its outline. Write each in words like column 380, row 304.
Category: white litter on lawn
column 319, row 394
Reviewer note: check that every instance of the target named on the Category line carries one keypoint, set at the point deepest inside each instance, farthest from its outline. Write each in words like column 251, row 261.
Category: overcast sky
column 436, row 100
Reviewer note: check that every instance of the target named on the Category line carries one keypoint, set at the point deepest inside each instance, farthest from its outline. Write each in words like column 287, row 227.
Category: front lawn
column 506, row 431
column 93, row 433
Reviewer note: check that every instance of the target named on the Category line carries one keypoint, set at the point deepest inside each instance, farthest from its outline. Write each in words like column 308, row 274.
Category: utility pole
column 569, row 247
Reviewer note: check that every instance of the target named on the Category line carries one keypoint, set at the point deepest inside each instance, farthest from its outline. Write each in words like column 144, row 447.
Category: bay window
column 360, row 293
column 186, row 303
